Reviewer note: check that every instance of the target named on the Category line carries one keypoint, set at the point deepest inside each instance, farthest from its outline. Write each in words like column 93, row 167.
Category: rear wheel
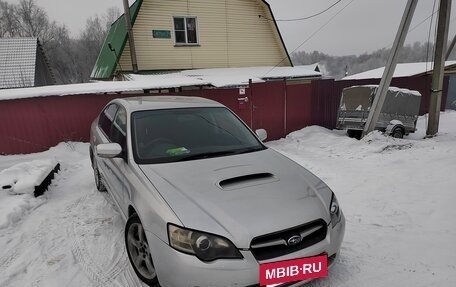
column 354, row 134
column 398, row 133
column 138, row 251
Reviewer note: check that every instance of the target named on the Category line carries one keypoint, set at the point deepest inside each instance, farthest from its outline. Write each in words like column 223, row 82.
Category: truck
column 397, row 118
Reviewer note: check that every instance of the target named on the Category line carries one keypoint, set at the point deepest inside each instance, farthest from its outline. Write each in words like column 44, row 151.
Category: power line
column 424, row 20
column 304, row 18
column 311, row 36
column 414, row 27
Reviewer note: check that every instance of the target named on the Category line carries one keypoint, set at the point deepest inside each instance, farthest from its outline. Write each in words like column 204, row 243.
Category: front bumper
column 176, row 269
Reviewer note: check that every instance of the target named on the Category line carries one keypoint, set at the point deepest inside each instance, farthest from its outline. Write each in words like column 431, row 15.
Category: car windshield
column 161, row 136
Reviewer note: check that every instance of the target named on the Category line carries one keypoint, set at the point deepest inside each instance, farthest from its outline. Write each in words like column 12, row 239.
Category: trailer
column 397, row 118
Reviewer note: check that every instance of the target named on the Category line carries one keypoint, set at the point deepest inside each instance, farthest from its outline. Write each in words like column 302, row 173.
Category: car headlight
column 205, row 246
column 334, row 210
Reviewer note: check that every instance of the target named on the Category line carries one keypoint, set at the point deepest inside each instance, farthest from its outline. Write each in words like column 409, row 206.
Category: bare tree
column 8, row 24
column 336, row 66
column 93, row 36
column 71, row 60
column 111, row 15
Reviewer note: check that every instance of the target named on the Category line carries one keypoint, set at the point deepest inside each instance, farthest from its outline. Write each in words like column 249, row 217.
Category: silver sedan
column 206, row 203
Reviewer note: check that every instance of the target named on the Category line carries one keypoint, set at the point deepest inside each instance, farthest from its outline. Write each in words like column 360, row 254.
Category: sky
column 363, row 26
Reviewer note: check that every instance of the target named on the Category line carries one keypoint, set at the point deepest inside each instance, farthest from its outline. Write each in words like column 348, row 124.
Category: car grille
column 275, row 244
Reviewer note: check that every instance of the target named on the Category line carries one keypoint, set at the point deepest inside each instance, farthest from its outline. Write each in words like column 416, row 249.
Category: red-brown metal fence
column 36, row 124
column 298, row 113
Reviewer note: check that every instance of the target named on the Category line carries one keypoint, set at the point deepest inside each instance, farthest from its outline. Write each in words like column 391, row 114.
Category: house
column 23, row 64
column 415, row 70
column 193, row 34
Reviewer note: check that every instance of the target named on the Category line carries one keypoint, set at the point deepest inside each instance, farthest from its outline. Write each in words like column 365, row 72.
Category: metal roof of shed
column 236, row 77
column 402, row 70
column 17, row 62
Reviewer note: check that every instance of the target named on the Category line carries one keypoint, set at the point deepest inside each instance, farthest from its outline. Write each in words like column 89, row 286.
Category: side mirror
column 262, row 134
column 109, row 150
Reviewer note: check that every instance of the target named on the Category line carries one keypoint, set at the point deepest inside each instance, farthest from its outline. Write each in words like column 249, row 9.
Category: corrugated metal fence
column 36, row 124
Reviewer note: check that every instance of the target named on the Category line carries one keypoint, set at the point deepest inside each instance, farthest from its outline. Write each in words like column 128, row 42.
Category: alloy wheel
column 138, row 249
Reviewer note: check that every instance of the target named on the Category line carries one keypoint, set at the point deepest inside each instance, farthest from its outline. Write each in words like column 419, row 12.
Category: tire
column 398, row 133
column 98, row 179
column 358, row 134
column 139, row 252
column 354, row 134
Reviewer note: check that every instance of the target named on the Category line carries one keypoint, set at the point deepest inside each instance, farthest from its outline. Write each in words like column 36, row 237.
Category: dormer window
column 186, row 30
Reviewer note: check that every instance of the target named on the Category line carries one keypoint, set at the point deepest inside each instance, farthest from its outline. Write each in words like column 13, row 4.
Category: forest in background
column 338, row 66
column 72, row 59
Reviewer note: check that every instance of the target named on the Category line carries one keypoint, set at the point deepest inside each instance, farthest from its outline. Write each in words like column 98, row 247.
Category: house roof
column 314, row 67
column 106, row 64
column 17, row 62
column 402, row 70
column 235, row 77
column 107, row 59
column 102, row 87
column 225, row 77
column 278, row 31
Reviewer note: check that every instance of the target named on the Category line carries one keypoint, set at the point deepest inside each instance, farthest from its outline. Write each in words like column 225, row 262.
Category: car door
column 119, row 165
column 106, row 166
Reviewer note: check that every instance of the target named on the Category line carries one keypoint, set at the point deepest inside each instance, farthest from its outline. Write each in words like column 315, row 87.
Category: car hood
column 241, row 196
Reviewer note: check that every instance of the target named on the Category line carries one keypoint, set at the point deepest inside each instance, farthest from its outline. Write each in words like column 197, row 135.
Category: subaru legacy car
column 206, row 203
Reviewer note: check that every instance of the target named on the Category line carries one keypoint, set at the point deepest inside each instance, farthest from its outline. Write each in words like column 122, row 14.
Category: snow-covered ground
column 398, row 197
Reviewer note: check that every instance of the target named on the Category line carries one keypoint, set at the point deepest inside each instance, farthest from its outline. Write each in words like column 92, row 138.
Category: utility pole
column 388, row 73
column 450, row 48
column 131, row 40
column 439, row 66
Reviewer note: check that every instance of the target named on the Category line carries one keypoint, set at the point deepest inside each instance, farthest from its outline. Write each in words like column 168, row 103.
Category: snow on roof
column 229, row 77
column 152, row 83
column 223, row 77
column 402, row 70
column 392, row 89
column 17, row 62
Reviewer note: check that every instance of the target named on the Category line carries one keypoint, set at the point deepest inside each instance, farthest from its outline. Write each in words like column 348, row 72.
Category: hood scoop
column 247, row 181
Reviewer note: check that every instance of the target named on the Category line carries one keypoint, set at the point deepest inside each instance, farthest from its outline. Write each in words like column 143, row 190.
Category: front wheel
column 139, row 253
column 98, row 181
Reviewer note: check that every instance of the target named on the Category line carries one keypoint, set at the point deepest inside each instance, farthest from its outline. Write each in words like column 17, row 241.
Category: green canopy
column 106, row 64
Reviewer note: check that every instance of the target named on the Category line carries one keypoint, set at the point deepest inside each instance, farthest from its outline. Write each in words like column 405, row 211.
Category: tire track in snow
column 101, row 274
column 26, row 241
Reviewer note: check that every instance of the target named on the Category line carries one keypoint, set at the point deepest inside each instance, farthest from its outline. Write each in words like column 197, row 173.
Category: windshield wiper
column 220, row 153
column 207, row 155
column 248, row 149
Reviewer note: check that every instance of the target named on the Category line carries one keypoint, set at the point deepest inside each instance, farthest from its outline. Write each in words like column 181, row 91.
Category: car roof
column 165, row 102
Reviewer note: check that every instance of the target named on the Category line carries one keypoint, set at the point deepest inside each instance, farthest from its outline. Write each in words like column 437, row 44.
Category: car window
column 106, row 118
column 119, row 128
column 160, row 136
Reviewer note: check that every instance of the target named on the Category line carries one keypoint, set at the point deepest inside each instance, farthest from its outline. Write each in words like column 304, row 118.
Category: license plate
column 293, row 270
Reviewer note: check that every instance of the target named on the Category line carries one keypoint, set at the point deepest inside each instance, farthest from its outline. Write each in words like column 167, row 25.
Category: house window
column 185, row 30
